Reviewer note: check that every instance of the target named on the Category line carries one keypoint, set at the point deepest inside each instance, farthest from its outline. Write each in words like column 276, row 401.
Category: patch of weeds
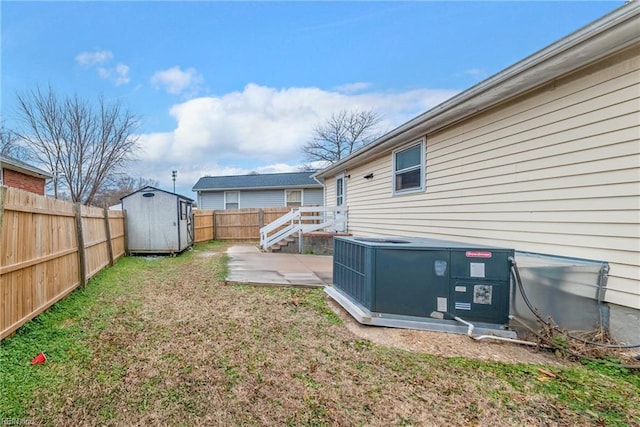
column 361, row 345
column 601, row 392
column 113, row 373
column 107, row 412
column 607, row 398
column 316, row 412
column 611, row 367
column 306, row 379
column 210, row 246
column 315, row 298
column 230, row 372
column 223, row 268
column 408, row 422
column 360, row 366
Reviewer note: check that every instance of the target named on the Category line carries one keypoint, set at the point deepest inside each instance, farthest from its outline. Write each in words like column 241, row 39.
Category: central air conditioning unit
column 422, row 283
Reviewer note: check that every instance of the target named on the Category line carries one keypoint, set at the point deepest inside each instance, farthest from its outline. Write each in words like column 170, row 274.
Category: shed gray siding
column 154, row 224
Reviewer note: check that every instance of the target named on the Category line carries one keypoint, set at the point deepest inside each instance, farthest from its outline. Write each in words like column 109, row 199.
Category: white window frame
column 286, row 201
column 225, row 199
column 422, row 166
column 343, row 177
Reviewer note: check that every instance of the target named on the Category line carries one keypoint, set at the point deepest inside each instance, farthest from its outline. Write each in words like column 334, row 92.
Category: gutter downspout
column 603, row 310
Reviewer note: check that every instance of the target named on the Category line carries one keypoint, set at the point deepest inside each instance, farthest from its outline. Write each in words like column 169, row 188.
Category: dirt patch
column 445, row 344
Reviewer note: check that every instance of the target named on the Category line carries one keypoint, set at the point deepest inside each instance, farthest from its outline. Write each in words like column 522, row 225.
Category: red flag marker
column 41, row 358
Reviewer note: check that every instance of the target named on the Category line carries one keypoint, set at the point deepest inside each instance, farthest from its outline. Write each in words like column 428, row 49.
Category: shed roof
column 150, row 188
column 257, row 181
column 605, row 36
column 20, row 166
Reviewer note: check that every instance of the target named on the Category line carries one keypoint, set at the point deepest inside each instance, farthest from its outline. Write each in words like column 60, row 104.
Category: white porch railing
column 303, row 220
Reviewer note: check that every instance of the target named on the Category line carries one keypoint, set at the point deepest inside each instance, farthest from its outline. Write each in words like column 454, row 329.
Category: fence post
column 3, row 192
column 215, row 226
column 81, row 253
column 261, row 218
column 126, row 232
column 107, row 229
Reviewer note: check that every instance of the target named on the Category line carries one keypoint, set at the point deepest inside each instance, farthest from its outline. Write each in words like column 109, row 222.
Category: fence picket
column 42, row 243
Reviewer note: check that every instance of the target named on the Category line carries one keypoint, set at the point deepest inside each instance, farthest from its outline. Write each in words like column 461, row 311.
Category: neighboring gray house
column 157, row 221
column 259, row 191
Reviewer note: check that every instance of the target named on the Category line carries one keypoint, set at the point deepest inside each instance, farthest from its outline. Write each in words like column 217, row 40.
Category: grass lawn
column 163, row 341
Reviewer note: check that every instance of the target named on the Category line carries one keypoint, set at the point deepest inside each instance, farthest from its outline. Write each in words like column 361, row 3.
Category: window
column 340, row 190
column 183, row 209
column 231, row 199
column 408, row 169
column 293, row 198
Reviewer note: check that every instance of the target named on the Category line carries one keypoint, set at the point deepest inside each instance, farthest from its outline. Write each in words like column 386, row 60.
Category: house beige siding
column 330, row 191
column 556, row 171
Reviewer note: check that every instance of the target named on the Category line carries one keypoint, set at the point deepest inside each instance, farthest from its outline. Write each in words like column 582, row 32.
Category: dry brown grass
column 182, row 348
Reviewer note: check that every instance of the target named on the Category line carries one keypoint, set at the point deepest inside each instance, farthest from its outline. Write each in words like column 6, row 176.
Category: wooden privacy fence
column 48, row 248
column 234, row 224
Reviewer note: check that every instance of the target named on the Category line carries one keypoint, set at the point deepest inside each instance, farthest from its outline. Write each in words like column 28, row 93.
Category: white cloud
column 261, row 128
column 175, row 81
column 118, row 75
column 353, row 87
column 94, row 58
column 122, row 74
column 476, row 73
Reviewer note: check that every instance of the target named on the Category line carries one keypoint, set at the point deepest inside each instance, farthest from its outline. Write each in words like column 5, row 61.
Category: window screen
column 293, row 198
column 340, row 191
column 231, row 199
column 408, row 169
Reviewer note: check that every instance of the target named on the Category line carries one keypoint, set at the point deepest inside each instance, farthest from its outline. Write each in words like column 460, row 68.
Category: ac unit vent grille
column 349, row 270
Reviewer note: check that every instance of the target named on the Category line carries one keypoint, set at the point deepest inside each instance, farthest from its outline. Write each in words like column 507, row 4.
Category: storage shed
column 158, row 221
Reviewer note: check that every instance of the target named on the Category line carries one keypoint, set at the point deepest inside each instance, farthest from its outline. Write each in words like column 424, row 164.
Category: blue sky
column 227, row 88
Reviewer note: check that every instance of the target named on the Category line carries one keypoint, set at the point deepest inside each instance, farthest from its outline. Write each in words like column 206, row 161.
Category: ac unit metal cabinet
column 417, row 277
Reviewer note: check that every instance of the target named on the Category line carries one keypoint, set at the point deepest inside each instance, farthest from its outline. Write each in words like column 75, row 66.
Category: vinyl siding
column 211, row 200
column 556, row 171
column 261, row 198
column 258, row 198
column 313, row 197
column 330, row 191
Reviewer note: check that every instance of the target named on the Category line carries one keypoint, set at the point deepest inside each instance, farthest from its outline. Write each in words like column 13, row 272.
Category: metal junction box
column 424, row 277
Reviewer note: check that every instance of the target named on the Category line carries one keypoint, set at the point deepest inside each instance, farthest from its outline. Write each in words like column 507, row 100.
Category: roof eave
column 279, row 187
column 152, row 188
column 32, row 171
column 612, row 33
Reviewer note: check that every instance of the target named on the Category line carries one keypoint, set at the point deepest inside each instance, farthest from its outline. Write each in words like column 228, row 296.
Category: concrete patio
column 247, row 264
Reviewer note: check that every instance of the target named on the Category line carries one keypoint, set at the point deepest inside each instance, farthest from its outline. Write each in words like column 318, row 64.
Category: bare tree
column 81, row 144
column 341, row 134
column 10, row 144
column 118, row 187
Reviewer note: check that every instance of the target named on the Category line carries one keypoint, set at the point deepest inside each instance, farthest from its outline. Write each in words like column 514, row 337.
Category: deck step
column 277, row 247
